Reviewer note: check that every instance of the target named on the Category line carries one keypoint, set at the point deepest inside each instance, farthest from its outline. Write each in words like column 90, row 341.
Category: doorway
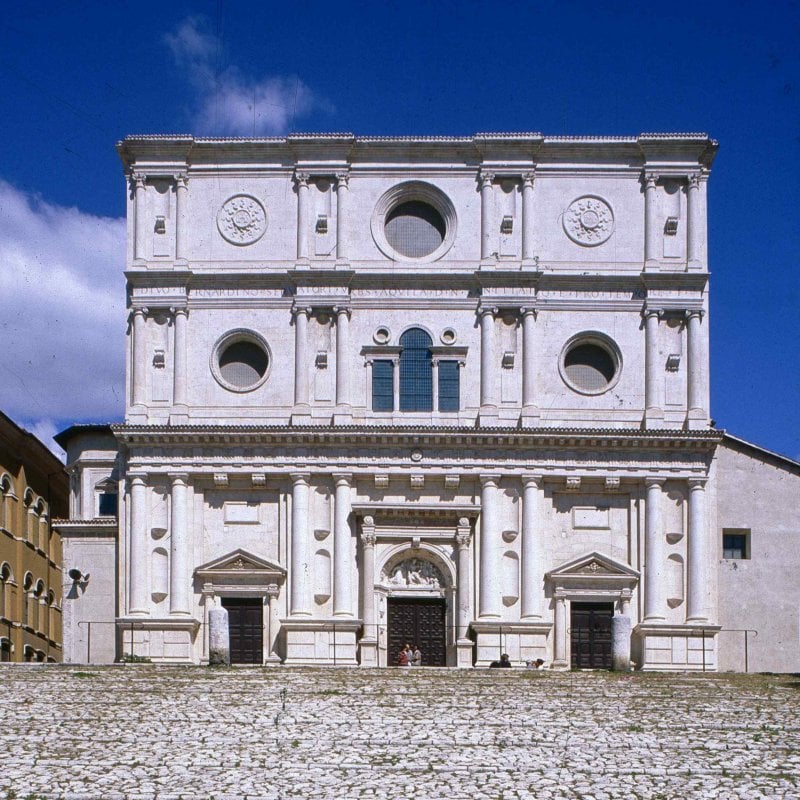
column 245, row 629
column 590, row 635
column 418, row 621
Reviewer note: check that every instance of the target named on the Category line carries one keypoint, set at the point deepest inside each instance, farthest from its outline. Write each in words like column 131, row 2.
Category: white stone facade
column 547, row 456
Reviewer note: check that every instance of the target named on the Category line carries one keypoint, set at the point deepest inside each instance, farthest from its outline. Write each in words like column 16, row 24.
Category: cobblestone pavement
column 141, row 732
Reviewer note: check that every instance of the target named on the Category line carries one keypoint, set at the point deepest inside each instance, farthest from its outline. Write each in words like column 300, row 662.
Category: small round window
column 240, row 361
column 590, row 363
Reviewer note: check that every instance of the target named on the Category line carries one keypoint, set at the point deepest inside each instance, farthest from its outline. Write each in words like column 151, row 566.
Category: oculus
column 588, row 221
column 590, row 363
column 242, row 220
column 240, row 361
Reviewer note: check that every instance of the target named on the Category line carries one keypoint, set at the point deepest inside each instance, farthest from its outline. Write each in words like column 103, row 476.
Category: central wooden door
column 420, row 622
column 245, row 629
column 590, row 635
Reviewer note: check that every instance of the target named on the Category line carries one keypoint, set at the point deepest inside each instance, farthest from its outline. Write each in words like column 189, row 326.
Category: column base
column 522, row 641
column 654, row 418
column 301, row 415
column 464, row 653
column 343, row 415
column 368, row 653
column 488, row 263
column 696, row 419
column 530, row 417
column 678, row 648
column 488, row 415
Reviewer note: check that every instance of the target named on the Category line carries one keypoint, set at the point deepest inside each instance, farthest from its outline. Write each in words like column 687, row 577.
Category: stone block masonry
column 179, row 733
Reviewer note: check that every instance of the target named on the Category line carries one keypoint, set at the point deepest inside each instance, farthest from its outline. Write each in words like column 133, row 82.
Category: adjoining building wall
column 759, row 591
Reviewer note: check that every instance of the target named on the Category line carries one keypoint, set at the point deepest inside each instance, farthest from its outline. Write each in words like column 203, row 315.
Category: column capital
column 484, row 310
column 137, row 478
column 486, row 177
column 178, row 478
column 528, row 311
column 650, row 179
column 272, row 590
column 300, row 478
column 696, row 484
column 138, row 179
column 649, row 311
column 648, row 482
column 693, row 180
column 177, row 311
column 463, row 539
column 342, row 179
column 301, row 178
column 368, row 537
column 181, row 180
column 694, row 312
column 528, row 179
column 140, row 311
column 298, row 310
column 342, row 478
column 489, row 479
column 531, row 479
column 342, row 311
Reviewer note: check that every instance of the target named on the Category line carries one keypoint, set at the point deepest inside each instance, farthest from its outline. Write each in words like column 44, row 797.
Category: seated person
column 504, row 661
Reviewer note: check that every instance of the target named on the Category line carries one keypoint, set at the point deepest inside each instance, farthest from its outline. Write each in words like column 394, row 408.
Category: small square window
column 107, row 504
column 735, row 543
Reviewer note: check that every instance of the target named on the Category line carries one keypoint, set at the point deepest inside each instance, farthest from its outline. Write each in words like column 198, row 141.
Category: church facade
column 452, row 392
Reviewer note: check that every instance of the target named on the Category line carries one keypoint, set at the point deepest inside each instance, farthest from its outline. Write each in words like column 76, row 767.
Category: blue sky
column 76, row 77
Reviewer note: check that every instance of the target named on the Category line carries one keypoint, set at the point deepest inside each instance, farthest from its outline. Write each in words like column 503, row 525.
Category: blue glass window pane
column 108, row 505
column 448, row 386
column 416, row 371
column 382, row 386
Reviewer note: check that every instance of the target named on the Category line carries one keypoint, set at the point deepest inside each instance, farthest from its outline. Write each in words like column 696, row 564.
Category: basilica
column 450, row 392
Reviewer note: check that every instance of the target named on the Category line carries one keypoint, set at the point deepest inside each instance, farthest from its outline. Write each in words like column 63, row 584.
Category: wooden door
column 245, row 629
column 590, row 635
column 420, row 622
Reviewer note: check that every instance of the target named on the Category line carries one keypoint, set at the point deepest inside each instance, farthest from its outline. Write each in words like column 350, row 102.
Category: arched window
column 5, row 649
column 27, row 590
column 416, row 371
column 38, row 593
column 5, row 598
column 51, row 614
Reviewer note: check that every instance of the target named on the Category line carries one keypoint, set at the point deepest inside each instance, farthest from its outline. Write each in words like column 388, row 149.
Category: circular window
column 240, row 361
column 414, row 221
column 448, row 336
column 590, row 363
column 382, row 335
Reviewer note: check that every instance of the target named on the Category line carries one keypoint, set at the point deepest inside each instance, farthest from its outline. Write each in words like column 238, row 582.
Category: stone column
column 137, row 572
column 527, row 216
column 181, row 217
column 270, row 656
column 342, row 196
column 621, row 643
column 652, row 235
column 490, row 586
column 697, row 583
column 696, row 367
column 463, row 538
column 179, row 546
column 301, row 181
column 655, row 595
column 488, row 381
column 531, row 549
column 219, row 653
column 486, row 179
column 342, row 594
column 179, row 363
column 300, row 575
column 138, row 356
column 652, row 371
column 342, row 356
column 435, row 385
column 528, row 359
column 694, row 233
column 369, row 639
column 560, row 632
column 301, row 361
column 140, row 232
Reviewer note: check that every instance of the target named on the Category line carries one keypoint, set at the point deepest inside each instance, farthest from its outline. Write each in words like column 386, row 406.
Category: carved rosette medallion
column 588, row 221
column 242, row 220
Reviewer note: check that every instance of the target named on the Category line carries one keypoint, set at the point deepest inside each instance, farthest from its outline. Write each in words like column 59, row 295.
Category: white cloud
column 62, row 313
column 231, row 103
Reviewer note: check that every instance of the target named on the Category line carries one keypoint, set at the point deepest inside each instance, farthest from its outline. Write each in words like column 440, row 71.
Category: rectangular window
column 449, row 399
column 382, row 386
column 735, row 543
column 107, row 504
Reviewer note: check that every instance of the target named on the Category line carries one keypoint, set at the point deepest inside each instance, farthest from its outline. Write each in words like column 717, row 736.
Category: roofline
column 64, row 437
column 34, row 446
column 750, row 446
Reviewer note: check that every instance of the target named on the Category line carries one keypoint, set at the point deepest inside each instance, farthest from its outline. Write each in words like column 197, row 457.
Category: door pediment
column 241, row 563
column 594, row 570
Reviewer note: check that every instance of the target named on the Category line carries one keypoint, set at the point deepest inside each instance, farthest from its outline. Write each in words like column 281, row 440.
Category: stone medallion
column 589, row 221
column 242, row 220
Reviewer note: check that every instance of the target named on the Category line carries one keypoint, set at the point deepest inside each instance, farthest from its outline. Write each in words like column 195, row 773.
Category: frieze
column 402, row 292
column 238, row 292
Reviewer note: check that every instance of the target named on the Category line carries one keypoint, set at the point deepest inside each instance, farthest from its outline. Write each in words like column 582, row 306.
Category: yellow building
column 33, row 490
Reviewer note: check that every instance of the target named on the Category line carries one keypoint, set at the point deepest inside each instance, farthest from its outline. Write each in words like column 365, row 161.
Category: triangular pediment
column 239, row 561
column 594, row 564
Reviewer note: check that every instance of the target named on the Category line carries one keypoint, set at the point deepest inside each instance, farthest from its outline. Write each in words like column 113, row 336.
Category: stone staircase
column 140, row 731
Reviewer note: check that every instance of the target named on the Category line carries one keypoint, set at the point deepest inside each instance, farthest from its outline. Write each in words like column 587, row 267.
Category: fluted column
column 651, row 232
column 179, row 387
column 140, row 228
column 300, row 595
column 301, row 360
column 488, row 381
column 301, row 180
column 695, row 228
column 652, row 371
column 698, row 589
column 179, row 546
column 342, row 198
column 368, row 579
column 342, row 356
column 490, row 585
column 342, row 594
column 527, row 216
column 532, row 567
column 486, row 179
column 696, row 368
column 181, row 216
column 463, row 538
column 137, row 571
column 655, row 593
column 138, row 356
column 528, row 358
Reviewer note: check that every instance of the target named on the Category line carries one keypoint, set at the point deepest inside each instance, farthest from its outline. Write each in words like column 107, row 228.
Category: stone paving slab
column 142, row 732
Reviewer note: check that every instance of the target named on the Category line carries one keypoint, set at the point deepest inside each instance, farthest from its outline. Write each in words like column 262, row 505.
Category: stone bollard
column 218, row 638
column 621, row 643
